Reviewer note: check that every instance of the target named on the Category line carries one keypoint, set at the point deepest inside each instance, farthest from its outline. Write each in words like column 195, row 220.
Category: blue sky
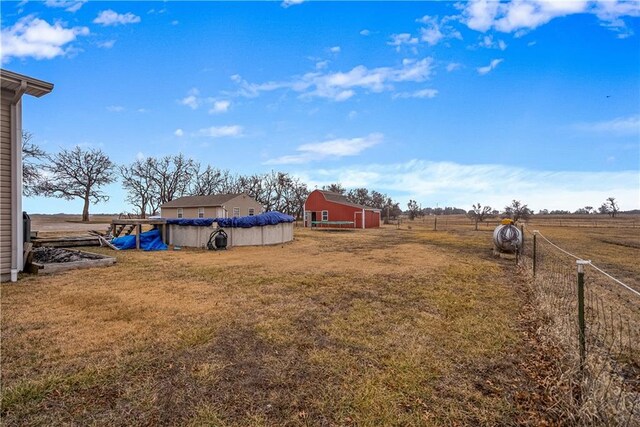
column 447, row 103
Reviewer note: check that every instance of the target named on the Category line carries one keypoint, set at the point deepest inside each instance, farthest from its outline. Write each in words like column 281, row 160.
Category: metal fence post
column 581, row 323
column 535, row 233
column 435, row 223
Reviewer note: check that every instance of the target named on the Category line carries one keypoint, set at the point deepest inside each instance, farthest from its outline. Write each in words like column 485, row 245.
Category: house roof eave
column 25, row 84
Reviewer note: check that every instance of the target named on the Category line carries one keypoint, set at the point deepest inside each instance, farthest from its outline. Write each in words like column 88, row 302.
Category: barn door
column 358, row 219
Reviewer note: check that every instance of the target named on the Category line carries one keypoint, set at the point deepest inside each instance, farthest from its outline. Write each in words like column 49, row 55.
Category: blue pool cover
column 267, row 218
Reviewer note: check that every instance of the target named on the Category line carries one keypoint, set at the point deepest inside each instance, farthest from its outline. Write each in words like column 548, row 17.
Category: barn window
column 200, row 212
column 252, row 211
column 325, row 215
column 180, row 213
column 236, row 212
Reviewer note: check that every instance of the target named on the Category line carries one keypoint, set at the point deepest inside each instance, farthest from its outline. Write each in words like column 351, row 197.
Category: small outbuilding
column 212, row 206
column 325, row 208
column 12, row 237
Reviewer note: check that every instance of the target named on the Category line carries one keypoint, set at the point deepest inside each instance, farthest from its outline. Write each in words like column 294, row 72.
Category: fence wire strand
column 607, row 388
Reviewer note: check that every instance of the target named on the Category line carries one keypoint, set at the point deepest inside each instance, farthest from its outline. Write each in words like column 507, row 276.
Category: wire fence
column 594, row 319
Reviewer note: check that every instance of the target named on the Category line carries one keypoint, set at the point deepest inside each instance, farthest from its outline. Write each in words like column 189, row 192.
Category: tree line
column 152, row 181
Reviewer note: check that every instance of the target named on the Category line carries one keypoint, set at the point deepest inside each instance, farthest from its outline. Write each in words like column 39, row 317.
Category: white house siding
column 209, row 212
column 243, row 203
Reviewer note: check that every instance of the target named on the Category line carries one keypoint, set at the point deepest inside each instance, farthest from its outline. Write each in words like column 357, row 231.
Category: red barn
column 328, row 208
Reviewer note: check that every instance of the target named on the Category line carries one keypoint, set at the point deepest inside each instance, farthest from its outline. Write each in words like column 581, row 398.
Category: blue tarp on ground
column 149, row 241
column 267, row 218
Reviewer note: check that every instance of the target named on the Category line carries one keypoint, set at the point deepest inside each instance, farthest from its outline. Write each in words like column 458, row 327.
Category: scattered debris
column 46, row 260
column 51, row 255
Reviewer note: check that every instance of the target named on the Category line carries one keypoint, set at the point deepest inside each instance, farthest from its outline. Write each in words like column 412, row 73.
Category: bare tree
column 336, row 188
column 209, row 181
column 172, row 175
column 359, row 196
column 31, row 168
column 414, row 209
column 298, row 195
column 142, row 191
column 610, row 207
column 277, row 191
column 479, row 213
column 517, row 211
column 586, row 210
column 78, row 174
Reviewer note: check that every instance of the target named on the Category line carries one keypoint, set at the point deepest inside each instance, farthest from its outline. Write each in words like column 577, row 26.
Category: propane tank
column 507, row 237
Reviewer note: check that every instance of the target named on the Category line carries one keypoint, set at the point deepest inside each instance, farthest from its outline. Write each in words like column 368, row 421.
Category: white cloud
column 402, row 39
column 620, row 126
column 289, row 3
column 108, row 44
column 252, row 90
column 436, row 30
column 69, row 6
column 365, row 32
column 175, row 22
column 191, row 100
column 480, row 14
column 179, row 132
column 115, row 108
column 452, row 66
column 112, row 18
column 340, row 86
column 488, row 42
column 352, row 114
column 492, row 65
column 220, row 107
column 335, row 49
column 334, row 148
column 424, row 93
column 520, row 16
column 321, row 65
column 36, row 38
column 221, row 131
column 453, row 184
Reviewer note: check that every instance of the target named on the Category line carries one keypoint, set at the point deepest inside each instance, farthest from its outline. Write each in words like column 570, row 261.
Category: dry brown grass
column 376, row 327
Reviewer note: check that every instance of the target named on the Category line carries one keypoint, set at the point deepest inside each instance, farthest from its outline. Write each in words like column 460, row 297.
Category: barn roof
column 200, row 201
column 330, row 196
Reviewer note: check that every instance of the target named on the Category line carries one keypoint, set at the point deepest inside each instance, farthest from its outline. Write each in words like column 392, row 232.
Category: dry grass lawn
column 369, row 327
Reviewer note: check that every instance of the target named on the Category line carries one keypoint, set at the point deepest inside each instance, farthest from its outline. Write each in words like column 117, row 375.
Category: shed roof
column 331, row 196
column 200, row 201
column 16, row 82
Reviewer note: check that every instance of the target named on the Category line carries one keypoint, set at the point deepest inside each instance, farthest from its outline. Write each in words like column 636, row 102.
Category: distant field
column 405, row 326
